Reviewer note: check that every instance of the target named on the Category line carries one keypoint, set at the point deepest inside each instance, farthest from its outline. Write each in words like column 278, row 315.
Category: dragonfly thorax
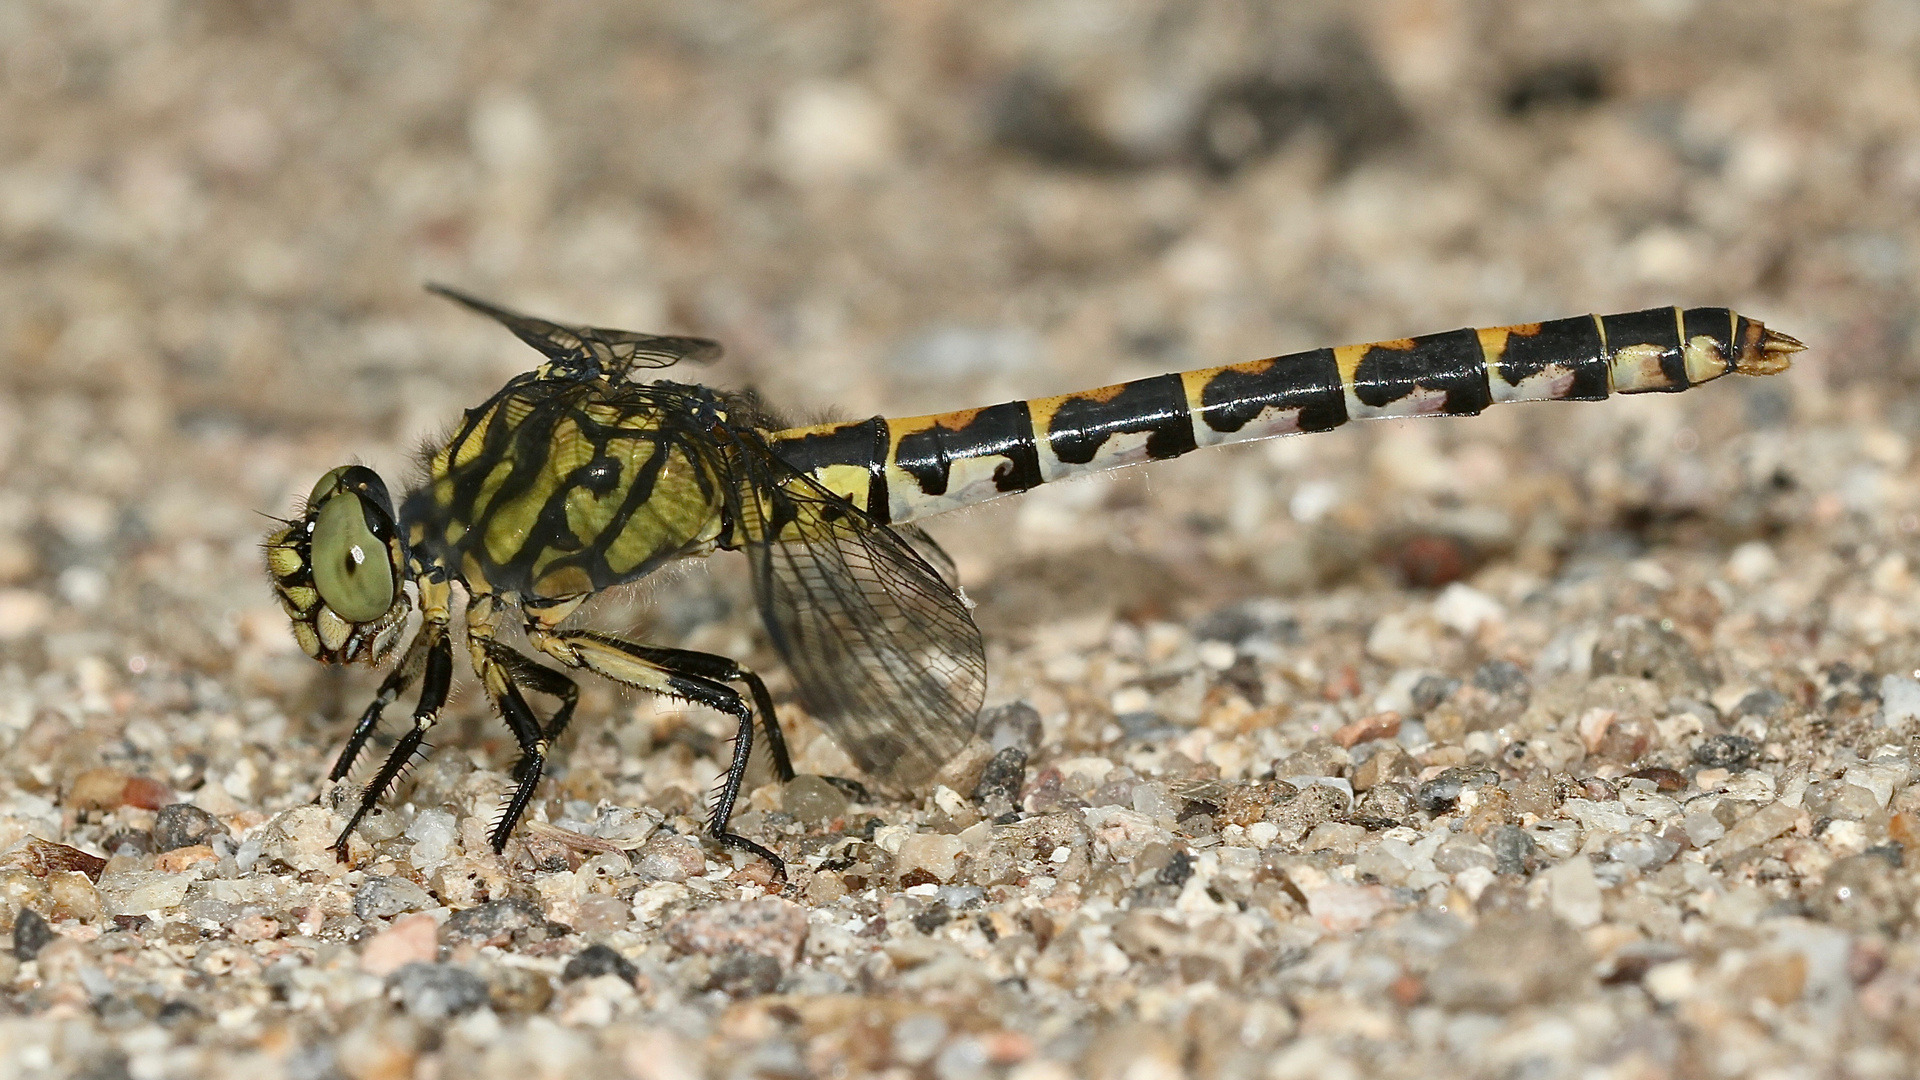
column 557, row 488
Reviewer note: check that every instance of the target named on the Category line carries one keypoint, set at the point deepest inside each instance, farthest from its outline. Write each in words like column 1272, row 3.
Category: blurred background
column 216, row 217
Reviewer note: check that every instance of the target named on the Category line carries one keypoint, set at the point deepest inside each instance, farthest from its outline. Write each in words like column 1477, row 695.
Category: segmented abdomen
column 901, row 469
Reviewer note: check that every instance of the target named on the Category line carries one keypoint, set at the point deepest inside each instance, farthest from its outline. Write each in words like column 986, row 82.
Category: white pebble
column 1899, row 701
column 1574, row 893
column 1466, row 609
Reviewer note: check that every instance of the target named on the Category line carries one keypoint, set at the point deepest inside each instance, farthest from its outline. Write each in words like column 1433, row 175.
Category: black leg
column 697, row 677
column 718, row 669
column 526, row 731
column 438, row 667
column 397, row 681
column 541, row 680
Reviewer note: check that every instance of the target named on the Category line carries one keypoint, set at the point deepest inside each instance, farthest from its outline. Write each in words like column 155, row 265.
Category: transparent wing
column 883, row 650
column 613, row 352
column 925, row 546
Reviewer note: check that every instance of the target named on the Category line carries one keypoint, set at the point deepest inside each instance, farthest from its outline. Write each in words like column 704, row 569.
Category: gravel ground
column 1563, row 741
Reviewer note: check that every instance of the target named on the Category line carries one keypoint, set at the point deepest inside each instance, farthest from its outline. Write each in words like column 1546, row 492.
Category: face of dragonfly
column 339, row 569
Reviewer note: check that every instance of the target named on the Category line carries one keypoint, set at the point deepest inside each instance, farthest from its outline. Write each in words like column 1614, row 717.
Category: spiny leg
column 433, row 695
column 719, row 669
column 541, row 680
column 498, row 667
column 432, row 651
column 654, row 669
column 726, row 669
column 397, row 681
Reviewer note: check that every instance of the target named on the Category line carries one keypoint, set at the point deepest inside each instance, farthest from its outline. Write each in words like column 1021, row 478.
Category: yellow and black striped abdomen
column 908, row 468
column 556, row 488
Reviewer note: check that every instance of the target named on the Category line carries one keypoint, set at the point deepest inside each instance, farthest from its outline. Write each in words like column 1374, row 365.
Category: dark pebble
column 179, row 1013
column 180, row 825
column 1730, row 752
column 1430, row 560
column 129, row 841
column 1643, row 649
column 517, row 991
column 1438, row 795
column 1431, row 690
column 437, row 991
column 1392, row 801
column 1501, row 678
column 744, row 974
column 932, row 919
column 1014, row 724
column 1512, row 849
column 1664, row 779
column 1765, row 704
column 596, row 960
column 1863, row 893
column 30, row 934
column 999, row 786
column 1178, row 869
column 495, row 922
column 1241, row 622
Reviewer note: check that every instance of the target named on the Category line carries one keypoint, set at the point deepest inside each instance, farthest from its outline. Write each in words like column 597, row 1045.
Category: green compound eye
column 325, row 487
column 350, row 566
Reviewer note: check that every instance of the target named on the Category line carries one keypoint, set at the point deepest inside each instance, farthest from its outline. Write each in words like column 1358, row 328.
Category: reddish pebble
column 1430, row 560
column 1408, row 990
column 1663, row 779
column 255, row 928
column 42, row 857
column 768, row 926
column 1342, row 685
column 1005, row 1048
column 1378, row 726
column 173, row 862
column 146, row 793
column 414, row 939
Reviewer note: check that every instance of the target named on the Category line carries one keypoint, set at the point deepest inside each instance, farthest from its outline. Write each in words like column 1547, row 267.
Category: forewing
column 611, row 351
column 883, row 650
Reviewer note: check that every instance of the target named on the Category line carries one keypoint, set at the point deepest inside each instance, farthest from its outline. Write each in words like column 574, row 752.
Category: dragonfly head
column 339, row 569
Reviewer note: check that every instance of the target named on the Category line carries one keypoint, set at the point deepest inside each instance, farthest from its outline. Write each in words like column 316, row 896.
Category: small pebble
column 768, row 926
column 495, row 922
column 385, row 897
column 1643, row 649
column 436, row 991
column 812, row 800
column 1014, row 724
column 744, row 973
column 411, row 939
column 1512, row 849
column 1502, row 678
column 669, row 858
column 30, row 934
column 599, row 960
column 1431, row 690
column 1510, row 960
column 1730, row 752
column 998, row 791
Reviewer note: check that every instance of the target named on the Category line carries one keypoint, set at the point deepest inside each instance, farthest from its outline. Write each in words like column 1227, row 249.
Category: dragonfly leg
column 541, row 680
column 696, row 677
column 402, row 676
column 429, row 658
column 500, row 669
column 722, row 669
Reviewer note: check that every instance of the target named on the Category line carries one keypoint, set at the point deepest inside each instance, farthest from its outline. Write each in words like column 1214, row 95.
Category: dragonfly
column 583, row 474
